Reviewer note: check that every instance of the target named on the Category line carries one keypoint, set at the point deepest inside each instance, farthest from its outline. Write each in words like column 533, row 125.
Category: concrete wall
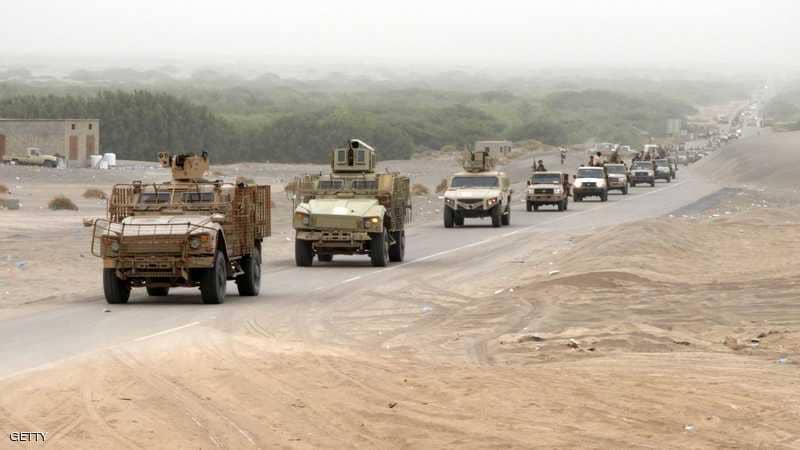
column 53, row 137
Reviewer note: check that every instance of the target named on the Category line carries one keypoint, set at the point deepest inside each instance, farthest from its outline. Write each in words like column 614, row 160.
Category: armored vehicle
column 643, row 172
column 590, row 182
column 663, row 170
column 352, row 210
column 187, row 232
column 478, row 192
column 547, row 188
column 617, row 177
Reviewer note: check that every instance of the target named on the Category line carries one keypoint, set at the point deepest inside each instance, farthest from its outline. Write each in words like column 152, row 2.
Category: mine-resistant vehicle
column 590, row 181
column 617, row 178
column 663, row 170
column 547, row 188
column 479, row 191
column 33, row 156
column 352, row 210
column 186, row 232
column 643, row 172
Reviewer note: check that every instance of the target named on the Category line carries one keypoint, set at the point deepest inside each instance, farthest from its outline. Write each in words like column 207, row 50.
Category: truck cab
column 590, row 181
column 547, row 188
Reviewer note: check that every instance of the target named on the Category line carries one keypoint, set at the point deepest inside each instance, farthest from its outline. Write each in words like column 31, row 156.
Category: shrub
column 442, row 186
column 62, row 202
column 95, row 193
column 419, row 189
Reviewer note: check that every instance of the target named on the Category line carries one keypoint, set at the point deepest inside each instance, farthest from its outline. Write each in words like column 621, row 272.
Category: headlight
column 577, row 184
column 198, row 241
column 115, row 246
column 302, row 218
column 530, row 190
column 371, row 222
column 557, row 190
column 449, row 202
column 491, row 201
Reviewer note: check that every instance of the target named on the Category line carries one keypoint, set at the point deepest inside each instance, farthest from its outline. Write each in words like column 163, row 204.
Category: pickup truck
column 32, row 157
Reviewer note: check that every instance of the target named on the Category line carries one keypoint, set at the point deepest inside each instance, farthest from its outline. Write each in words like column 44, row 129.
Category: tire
column 506, row 219
column 249, row 283
column 303, row 253
column 604, row 196
column 116, row 290
column 535, row 207
column 625, row 190
column 448, row 217
column 566, row 203
column 653, row 183
column 528, row 206
column 379, row 249
column 633, row 184
column 214, row 280
column 157, row 291
column 497, row 216
column 562, row 205
column 325, row 257
column 50, row 164
column 458, row 220
column 578, row 198
column 669, row 180
column 397, row 252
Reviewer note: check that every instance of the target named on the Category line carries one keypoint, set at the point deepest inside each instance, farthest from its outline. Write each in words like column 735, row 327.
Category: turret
column 478, row 161
column 185, row 166
column 357, row 157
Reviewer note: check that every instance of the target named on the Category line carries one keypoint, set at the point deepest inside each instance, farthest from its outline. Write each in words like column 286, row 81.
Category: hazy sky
column 525, row 33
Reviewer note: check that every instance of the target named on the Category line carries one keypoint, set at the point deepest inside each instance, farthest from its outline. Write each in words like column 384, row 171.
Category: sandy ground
column 676, row 332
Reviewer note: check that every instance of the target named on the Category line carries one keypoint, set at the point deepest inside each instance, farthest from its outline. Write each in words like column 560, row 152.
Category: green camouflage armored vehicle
column 188, row 232
column 352, row 210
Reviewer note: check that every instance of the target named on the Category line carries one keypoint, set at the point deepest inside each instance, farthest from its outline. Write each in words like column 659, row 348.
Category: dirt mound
column 763, row 162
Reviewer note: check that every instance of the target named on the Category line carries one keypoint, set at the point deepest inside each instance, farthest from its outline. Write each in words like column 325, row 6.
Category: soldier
column 598, row 160
column 540, row 167
column 563, row 155
column 614, row 159
column 637, row 157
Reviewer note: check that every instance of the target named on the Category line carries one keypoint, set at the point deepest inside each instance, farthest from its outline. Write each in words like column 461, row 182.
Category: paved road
column 289, row 293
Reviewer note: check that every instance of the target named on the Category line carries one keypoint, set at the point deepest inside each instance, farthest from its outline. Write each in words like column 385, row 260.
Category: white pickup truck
column 32, row 157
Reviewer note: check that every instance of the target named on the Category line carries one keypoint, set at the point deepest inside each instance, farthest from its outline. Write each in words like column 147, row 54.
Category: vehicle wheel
column 214, row 281
column 379, row 249
column 669, row 180
column 528, row 206
column 566, row 203
column 303, row 253
column 448, row 217
column 604, row 196
column 506, row 219
column 116, row 290
column 633, row 184
column 653, row 183
column 497, row 216
column 577, row 197
column 325, row 257
column 397, row 252
column 157, row 291
column 51, row 164
column 535, row 207
column 249, row 283
column 458, row 219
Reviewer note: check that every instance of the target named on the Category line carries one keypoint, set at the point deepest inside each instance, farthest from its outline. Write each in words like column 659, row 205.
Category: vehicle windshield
column 546, row 178
column 198, row 197
column 474, row 182
column 643, row 165
column 615, row 169
column 331, row 185
column 662, row 163
column 590, row 173
column 153, row 198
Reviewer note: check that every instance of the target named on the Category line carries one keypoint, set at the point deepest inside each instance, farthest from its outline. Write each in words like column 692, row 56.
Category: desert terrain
column 663, row 319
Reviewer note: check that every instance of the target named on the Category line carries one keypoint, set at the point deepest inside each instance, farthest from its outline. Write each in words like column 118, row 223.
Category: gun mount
column 185, row 166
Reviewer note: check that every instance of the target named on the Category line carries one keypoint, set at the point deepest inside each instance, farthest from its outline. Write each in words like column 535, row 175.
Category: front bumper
column 545, row 198
column 584, row 191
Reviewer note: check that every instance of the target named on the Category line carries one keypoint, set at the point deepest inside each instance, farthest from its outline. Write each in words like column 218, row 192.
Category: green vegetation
column 276, row 119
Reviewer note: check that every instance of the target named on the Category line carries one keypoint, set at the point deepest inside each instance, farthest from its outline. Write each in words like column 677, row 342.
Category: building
column 74, row 139
column 496, row 147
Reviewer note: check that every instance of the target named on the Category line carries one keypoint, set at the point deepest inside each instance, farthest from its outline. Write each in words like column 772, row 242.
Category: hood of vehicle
column 464, row 193
column 545, row 186
column 166, row 224
column 591, row 180
column 338, row 206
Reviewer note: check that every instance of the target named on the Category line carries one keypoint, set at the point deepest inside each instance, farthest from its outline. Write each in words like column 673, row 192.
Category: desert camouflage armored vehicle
column 353, row 210
column 547, row 188
column 480, row 191
column 186, row 232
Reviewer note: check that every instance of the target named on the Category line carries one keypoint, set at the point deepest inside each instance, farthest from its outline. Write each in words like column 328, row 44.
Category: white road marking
column 351, row 279
column 166, row 331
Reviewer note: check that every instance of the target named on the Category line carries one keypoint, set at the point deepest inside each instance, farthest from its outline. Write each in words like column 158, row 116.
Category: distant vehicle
column 186, row 232
column 643, row 172
column 663, row 170
column 617, row 178
column 590, row 182
column 478, row 192
column 547, row 188
column 352, row 210
column 32, row 156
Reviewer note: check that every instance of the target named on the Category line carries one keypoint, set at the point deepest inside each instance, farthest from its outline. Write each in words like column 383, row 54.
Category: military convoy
column 479, row 191
column 548, row 188
column 188, row 232
column 352, row 210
